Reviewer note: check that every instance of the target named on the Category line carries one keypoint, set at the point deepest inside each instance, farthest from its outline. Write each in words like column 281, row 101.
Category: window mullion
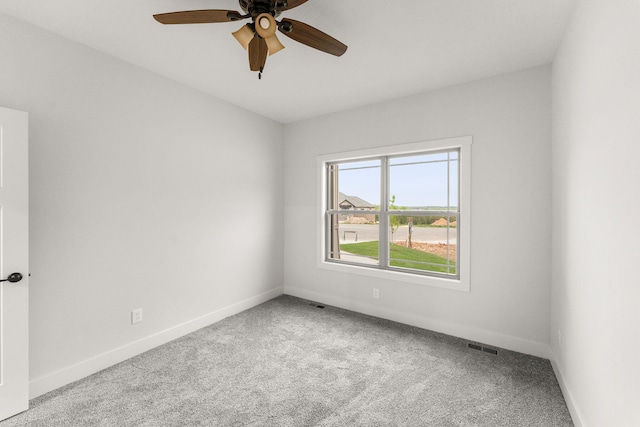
column 332, row 222
column 449, row 209
column 383, row 234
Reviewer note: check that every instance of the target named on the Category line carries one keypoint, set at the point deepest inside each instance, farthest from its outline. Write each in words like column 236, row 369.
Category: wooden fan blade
column 293, row 3
column 198, row 16
column 312, row 37
column 257, row 54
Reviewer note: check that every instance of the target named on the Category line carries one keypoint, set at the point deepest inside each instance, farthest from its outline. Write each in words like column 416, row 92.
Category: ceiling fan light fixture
column 266, row 27
column 274, row 45
column 244, row 36
column 265, row 23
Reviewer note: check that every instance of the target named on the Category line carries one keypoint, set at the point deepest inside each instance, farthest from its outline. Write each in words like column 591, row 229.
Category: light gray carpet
column 289, row 363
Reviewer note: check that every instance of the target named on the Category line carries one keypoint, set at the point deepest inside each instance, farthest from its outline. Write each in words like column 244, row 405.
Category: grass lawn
column 401, row 256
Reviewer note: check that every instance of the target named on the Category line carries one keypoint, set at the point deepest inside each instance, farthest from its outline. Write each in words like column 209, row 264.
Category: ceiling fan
column 259, row 36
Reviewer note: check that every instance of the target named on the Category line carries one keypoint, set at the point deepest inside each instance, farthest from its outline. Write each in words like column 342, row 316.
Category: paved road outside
column 369, row 232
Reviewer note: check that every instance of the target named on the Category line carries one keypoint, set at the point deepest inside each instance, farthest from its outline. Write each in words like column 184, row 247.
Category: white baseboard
column 461, row 331
column 576, row 415
column 62, row 377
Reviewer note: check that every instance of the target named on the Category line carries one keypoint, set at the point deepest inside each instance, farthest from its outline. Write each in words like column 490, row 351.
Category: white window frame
column 463, row 144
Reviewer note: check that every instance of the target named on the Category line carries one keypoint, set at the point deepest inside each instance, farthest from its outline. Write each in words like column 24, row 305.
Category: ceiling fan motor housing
column 257, row 7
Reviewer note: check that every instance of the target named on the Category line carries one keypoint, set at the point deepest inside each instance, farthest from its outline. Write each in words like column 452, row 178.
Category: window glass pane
column 358, row 185
column 421, row 182
column 357, row 243
column 423, row 243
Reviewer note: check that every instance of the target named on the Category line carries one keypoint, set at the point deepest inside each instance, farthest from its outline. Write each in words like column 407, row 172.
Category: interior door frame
column 14, row 253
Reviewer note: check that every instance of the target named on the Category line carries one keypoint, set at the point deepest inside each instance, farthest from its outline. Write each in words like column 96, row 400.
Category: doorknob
column 13, row 278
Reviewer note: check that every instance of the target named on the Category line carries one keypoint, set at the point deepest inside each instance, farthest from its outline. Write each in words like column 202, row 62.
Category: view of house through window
column 395, row 212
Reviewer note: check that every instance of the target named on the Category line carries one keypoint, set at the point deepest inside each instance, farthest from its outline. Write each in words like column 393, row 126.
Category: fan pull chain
column 260, row 73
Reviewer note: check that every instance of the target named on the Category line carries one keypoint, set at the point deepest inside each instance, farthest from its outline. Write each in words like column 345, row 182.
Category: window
column 400, row 211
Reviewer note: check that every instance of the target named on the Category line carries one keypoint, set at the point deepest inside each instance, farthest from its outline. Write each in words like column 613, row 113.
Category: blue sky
column 412, row 182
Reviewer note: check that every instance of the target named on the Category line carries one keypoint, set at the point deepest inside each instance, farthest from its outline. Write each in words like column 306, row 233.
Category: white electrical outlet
column 136, row 316
column 376, row 293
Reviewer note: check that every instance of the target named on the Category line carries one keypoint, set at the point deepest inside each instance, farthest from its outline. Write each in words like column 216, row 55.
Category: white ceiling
column 396, row 48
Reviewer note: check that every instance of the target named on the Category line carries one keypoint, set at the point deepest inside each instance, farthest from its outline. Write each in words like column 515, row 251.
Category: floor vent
column 482, row 348
column 315, row 304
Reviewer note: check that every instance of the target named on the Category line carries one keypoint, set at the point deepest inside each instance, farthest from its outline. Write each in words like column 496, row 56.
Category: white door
column 14, row 258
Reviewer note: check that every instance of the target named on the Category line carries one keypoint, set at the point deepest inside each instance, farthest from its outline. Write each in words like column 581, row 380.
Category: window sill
column 435, row 282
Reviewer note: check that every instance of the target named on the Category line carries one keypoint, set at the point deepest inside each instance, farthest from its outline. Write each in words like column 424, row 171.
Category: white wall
column 509, row 119
column 596, row 227
column 144, row 194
